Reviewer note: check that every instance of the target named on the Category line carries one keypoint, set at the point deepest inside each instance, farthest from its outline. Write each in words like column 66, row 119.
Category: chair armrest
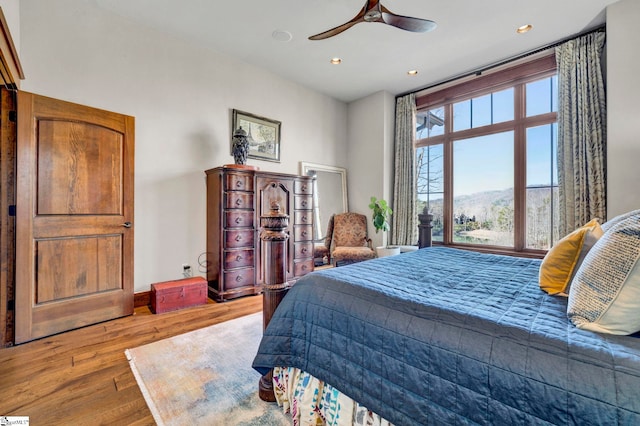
column 368, row 243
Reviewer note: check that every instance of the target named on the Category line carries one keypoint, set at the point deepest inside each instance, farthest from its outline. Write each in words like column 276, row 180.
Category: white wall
column 623, row 107
column 370, row 154
column 181, row 97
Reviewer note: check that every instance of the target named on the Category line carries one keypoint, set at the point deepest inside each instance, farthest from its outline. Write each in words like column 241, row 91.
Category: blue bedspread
column 445, row 336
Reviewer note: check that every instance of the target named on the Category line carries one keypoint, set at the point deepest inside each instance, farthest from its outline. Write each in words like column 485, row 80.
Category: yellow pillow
column 565, row 257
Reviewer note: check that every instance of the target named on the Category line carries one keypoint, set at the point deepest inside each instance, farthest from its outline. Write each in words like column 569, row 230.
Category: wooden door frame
column 7, row 221
column 10, row 75
column 10, row 67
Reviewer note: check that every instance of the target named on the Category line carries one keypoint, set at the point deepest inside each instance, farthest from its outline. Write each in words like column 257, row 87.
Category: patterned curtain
column 404, row 226
column 582, row 132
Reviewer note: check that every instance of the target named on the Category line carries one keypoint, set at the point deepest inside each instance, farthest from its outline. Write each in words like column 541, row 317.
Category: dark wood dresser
column 236, row 198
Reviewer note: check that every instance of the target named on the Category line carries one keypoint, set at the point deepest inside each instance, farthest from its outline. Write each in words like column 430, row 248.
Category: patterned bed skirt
column 313, row 402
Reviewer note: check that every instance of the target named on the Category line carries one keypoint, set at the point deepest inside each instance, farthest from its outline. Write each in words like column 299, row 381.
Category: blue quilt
column 445, row 336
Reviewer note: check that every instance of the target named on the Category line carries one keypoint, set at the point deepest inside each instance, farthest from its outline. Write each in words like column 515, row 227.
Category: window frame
column 516, row 76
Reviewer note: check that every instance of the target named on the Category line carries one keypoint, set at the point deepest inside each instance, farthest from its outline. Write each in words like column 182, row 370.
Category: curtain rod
column 505, row 61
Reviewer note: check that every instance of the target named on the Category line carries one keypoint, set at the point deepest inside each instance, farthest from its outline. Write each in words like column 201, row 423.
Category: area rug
column 204, row 377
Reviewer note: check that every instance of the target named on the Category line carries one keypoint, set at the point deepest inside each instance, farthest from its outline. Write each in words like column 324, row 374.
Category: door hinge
column 13, row 116
column 12, row 210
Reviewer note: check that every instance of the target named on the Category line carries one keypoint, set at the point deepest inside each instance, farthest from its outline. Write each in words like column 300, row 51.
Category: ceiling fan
column 373, row 11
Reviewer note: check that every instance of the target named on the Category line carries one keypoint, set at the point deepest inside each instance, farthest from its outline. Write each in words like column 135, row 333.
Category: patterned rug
column 204, row 377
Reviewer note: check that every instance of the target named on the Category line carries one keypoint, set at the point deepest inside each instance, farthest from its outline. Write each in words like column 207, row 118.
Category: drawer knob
column 304, row 267
column 239, row 278
column 239, row 202
column 238, row 219
column 304, row 250
column 304, row 203
column 304, row 219
column 238, row 258
column 304, row 188
column 238, row 238
column 239, row 184
column 304, row 233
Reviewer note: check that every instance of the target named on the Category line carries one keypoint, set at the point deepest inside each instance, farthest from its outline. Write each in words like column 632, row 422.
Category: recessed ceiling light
column 281, row 35
column 412, row 72
column 523, row 29
column 336, row 61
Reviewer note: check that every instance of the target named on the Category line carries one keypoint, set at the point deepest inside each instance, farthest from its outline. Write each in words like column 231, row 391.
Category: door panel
column 74, row 254
column 73, row 267
column 79, row 167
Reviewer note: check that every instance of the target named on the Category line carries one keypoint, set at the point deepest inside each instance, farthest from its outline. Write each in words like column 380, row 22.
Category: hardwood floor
column 83, row 378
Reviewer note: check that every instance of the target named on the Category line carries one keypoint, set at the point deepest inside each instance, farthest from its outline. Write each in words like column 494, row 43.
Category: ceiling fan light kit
column 373, row 11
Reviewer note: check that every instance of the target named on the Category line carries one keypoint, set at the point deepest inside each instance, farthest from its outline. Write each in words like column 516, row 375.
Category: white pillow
column 605, row 293
column 608, row 224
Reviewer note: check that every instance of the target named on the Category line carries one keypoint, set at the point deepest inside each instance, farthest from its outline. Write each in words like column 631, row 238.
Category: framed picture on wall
column 263, row 135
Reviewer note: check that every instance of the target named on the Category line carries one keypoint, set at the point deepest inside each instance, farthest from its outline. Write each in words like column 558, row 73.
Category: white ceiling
column 470, row 34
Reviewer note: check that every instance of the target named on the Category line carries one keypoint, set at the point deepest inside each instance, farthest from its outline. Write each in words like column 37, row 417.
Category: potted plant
column 381, row 213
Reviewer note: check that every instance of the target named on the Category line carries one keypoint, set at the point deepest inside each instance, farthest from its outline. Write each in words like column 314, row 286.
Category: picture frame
column 263, row 135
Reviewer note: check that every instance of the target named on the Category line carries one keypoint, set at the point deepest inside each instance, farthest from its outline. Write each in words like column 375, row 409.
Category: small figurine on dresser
column 240, row 146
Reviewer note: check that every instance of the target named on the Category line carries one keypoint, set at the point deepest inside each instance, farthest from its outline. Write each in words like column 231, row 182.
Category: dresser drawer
column 302, row 232
column 239, row 278
column 303, row 202
column 238, row 258
column 238, row 200
column 303, row 187
column 235, row 238
column 238, row 219
column 303, row 217
column 303, row 250
column 302, row 267
column 238, row 182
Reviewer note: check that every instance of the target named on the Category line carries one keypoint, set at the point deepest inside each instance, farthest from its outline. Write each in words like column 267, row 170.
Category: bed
column 447, row 336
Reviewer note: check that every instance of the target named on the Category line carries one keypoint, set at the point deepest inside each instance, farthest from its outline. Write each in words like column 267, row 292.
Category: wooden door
column 74, row 215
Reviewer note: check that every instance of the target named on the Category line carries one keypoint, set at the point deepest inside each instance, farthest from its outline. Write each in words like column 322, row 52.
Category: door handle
column 127, row 224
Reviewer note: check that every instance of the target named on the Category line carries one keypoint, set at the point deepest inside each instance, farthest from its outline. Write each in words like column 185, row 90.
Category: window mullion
column 520, row 170
column 447, row 208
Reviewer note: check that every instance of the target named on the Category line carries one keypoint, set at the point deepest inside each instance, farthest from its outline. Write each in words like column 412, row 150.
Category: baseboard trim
column 142, row 299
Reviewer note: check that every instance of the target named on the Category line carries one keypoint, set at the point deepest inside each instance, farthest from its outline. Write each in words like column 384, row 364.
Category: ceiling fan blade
column 340, row 28
column 408, row 23
column 335, row 31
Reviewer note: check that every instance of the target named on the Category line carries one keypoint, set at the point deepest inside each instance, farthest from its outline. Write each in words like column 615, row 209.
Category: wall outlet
column 186, row 270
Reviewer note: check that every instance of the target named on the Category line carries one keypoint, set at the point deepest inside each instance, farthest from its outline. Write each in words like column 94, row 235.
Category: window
column 486, row 159
column 484, row 110
column 483, row 190
column 430, row 163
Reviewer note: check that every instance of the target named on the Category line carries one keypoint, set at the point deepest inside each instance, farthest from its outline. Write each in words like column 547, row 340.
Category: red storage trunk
column 173, row 295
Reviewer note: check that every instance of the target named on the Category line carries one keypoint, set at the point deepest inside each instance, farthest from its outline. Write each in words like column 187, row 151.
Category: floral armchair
column 349, row 240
